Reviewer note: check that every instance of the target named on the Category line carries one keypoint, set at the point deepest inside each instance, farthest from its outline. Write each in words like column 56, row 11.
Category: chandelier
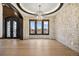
column 39, row 13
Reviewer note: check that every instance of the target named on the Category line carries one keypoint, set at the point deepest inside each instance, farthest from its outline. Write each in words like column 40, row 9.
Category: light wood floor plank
column 34, row 47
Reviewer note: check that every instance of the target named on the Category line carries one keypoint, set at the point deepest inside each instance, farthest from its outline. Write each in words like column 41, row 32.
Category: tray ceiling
column 33, row 8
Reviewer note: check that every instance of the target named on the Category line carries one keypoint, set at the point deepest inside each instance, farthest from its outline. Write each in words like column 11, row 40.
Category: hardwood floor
column 34, row 47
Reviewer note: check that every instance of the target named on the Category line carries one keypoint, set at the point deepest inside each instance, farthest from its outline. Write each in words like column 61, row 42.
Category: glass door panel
column 8, row 29
column 14, row 29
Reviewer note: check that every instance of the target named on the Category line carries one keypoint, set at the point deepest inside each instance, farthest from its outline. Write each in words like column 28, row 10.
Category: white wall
column 1, row 20
column 67, row 26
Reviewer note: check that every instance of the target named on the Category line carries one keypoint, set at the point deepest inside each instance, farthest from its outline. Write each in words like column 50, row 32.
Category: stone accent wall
column 67, row 26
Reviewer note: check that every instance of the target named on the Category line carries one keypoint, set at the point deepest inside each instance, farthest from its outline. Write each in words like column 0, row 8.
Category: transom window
column 39, row 27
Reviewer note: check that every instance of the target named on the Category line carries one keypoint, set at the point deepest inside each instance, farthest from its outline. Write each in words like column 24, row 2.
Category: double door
column 12, row 27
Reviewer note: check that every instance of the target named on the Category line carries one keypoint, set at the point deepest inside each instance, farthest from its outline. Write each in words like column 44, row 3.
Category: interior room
column 39, row 29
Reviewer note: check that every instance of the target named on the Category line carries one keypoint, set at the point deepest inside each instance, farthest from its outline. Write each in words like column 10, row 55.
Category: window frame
column 43, row 27
column 36, row 27
column 30, row 27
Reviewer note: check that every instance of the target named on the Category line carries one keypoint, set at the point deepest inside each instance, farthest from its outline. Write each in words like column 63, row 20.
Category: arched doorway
column 12, row 22
column 12, row 27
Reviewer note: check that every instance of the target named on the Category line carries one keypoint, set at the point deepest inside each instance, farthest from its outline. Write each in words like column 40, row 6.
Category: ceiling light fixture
column 39, row 13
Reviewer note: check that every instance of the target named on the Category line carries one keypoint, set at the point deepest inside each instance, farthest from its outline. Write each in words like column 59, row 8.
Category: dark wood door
column 12, row 27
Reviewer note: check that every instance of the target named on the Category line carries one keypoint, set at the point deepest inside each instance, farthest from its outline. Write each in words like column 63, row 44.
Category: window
column 32, row 27
column 39, row 27
column 45, row 30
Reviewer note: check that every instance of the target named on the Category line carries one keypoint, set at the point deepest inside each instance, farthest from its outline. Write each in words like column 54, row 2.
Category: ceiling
column 45, row 8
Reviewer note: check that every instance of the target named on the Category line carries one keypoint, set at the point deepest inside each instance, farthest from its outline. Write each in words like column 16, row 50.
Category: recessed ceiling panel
column 33, row 8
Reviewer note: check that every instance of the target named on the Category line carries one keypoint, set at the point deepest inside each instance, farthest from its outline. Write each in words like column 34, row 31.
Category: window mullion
column 42, row 27
column 35, row 26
